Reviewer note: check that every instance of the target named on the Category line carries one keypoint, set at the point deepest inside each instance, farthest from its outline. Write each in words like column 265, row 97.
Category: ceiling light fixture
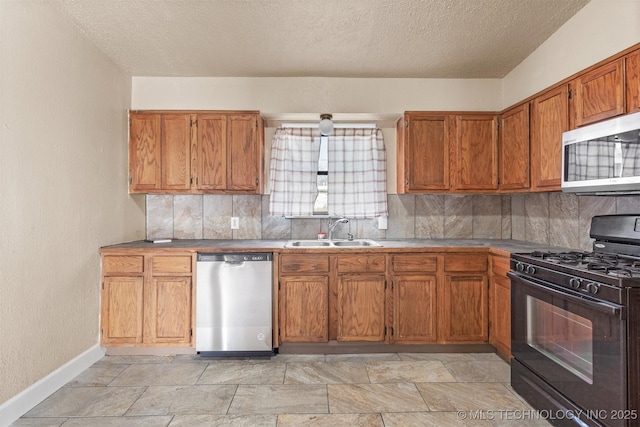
column 325, row 125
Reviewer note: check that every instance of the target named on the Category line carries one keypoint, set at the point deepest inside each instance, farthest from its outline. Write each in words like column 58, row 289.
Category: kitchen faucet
column 333, row 224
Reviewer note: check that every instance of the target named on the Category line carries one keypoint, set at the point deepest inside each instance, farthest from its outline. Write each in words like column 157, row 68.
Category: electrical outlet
column 382, row 223
column 235, row 223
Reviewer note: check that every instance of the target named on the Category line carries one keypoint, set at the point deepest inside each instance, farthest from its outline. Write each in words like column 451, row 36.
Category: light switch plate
column 235, row 223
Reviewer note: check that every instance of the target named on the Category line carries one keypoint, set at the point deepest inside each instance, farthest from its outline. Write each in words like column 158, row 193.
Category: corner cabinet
column 147, row 299
column 549, row 119
column 500, row 305
column 513, row 169
column 195, row 152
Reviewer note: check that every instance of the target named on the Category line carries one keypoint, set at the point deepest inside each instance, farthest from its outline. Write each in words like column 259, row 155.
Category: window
column 343, row 174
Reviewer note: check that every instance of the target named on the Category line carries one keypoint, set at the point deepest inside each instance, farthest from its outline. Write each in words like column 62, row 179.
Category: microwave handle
column 612, row 310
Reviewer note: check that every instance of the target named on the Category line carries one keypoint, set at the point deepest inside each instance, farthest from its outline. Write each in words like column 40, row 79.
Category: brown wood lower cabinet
column 361, row 307
column 147, row 299
column 414, row 298
column 500, row 306
column 304, row 308
column 464, row 309
column 463, row 298
column 432, row 298
column 303, row 298
column 359, row 284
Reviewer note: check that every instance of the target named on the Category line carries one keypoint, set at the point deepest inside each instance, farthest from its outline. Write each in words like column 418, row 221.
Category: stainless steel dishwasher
column 234, row 298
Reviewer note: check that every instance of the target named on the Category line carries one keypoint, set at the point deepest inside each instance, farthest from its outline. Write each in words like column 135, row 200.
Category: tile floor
column 391, row 389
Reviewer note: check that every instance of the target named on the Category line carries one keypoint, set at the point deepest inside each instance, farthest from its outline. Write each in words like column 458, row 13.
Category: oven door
column 572, row 341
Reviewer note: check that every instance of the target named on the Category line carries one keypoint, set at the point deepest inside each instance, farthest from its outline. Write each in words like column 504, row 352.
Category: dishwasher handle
column 235, row 257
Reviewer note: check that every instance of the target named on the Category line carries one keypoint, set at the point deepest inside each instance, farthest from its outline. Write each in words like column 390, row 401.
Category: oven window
column 562, row 336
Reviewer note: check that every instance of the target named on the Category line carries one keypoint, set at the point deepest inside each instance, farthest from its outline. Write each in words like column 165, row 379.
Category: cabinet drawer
column 361, row 263
column 171, row 264
column 499, row 266
column 414, row 262
column 465, row 263
column 304, row 263
column 118, row 264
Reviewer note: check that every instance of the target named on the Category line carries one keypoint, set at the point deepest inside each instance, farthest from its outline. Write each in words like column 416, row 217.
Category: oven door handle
column 612, row 310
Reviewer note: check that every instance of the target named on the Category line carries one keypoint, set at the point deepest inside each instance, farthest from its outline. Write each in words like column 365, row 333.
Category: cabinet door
column 514, row 148
column 144, row 153
column 122, row 305
column 500, row 310
column 423, row 153
column 176, row 151
column 414, row 308
column 549, row 118
column 167, row 317
column 632, row 81
column 599, row 94
column 464, row 309
column 211, row 164
column 304, row 309
column 361, row 308
column 243, row 154
column 476, row 152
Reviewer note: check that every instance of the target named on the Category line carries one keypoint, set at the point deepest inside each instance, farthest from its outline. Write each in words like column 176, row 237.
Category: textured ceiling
column 322, row 38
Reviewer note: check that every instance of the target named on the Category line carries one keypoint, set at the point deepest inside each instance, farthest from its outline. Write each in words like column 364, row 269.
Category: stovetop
column 610, row 264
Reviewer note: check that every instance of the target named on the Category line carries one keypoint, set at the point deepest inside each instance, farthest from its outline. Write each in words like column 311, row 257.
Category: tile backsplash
column 559, row 219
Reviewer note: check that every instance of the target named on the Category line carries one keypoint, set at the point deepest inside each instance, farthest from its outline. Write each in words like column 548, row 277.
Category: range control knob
column 531, row 270
column 575, row 283
column 593, row 288
column 520, row 267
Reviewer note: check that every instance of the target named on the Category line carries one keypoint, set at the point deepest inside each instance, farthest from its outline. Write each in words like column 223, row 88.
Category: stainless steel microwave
column 603, row 158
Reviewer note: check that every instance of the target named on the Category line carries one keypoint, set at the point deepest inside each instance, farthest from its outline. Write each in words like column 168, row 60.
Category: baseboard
column 24, row 401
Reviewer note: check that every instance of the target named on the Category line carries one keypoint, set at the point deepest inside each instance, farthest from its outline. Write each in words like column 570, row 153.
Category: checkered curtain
column 293, row 171
column 357, row 173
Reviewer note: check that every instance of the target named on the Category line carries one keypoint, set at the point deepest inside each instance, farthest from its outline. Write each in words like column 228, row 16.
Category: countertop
column 204, row 245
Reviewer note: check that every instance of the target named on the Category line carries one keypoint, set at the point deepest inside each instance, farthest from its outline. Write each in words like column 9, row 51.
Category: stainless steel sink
column 357, row 243
column 307, row 244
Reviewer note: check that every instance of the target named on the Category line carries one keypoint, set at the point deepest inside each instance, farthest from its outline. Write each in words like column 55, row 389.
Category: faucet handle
column 349, row 236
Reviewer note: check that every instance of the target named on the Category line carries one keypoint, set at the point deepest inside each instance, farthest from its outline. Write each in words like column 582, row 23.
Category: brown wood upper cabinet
column 441, row 152
column 598, row 94
column 632, row 81
column 195, row 152
column 423, row 152
column 476, row 152
column 514, row 159
column 549, row 118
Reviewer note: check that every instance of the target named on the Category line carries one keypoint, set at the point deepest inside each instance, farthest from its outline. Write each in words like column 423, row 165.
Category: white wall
column 315, row 95
column 63, row 189
column 599, row 30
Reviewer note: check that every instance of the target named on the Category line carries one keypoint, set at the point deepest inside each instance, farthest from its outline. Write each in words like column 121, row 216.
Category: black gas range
column 576, row 327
